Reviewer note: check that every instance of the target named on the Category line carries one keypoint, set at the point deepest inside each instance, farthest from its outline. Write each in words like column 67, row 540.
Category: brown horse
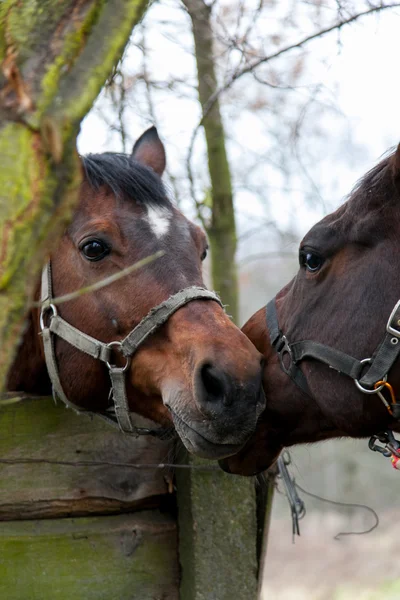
column 195, row 370
column 318, row 334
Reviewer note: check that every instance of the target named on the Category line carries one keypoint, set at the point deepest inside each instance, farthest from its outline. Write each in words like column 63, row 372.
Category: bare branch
column 250, row 67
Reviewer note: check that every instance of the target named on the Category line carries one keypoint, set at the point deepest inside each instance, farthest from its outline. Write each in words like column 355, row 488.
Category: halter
column 52, row 324
column 373, row 380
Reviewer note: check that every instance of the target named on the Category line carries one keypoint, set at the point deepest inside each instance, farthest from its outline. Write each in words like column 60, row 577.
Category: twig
column 103, row 282
column 253, row 65
column 96, row 463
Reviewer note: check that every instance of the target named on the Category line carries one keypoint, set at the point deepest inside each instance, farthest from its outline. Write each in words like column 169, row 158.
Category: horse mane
column 127, row 178
column 378, row 181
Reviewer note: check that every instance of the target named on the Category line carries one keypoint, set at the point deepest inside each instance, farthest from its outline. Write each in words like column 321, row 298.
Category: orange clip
column 392, row 394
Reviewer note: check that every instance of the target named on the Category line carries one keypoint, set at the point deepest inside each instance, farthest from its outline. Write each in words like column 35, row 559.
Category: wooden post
column 217, row 534
column 61, row 536
column 265, row 497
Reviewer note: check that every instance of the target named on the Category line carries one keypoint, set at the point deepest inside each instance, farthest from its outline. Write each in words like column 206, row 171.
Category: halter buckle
column 389, row 326
column 364, row 390
column 45, row 310
column 283, row 348
column 128, row 360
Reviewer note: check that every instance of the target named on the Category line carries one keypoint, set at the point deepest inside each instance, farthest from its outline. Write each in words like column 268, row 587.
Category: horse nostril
column 213, row 383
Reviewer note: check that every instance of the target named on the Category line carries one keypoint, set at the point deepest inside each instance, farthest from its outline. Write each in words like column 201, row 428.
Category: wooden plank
column 36, row 428
column 125, row 557
column 217, row 534
column 265, row 499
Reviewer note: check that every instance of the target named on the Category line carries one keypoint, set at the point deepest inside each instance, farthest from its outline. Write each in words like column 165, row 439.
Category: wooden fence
column 105, row 532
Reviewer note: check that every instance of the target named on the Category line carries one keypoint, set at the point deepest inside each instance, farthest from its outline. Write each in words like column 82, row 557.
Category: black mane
column 127, row 178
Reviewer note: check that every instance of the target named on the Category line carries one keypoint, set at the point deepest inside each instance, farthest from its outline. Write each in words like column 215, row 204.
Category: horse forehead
column 159, row 219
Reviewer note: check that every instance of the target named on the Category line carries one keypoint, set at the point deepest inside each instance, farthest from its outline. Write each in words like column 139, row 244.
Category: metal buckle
column 389, row 328
column 283, row 348
column 365, row 390
column 381, row 447
column 388, row 444
column 297, row 506
column 43, row 312
column 128, row 360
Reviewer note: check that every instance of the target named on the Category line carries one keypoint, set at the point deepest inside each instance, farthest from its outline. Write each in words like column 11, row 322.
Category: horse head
column 330, row 337
column 197, row 371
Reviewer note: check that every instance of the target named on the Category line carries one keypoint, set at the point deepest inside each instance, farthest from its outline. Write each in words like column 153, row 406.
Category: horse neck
column 28, row 372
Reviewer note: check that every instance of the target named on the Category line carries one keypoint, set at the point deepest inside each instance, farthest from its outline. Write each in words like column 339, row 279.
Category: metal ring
column 44, row 311
column 364, row 390
column 128, row 360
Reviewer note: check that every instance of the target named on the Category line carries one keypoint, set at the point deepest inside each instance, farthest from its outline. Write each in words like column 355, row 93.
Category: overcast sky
column 360, row 75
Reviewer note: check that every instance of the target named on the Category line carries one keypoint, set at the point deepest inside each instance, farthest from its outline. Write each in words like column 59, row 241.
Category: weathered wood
column 37, row 429
column 265, row 498
column 129, row 557
column 217, row 535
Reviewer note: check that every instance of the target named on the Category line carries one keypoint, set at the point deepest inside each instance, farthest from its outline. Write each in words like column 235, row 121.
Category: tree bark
column 222, row 230
column 55, row 55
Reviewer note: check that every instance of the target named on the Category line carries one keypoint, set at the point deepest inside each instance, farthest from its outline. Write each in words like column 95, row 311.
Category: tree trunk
column 222, row 230
column 55, row 55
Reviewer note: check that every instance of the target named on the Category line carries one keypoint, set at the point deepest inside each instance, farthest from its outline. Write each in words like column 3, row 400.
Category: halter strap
column 119, row 414
column 291, row 354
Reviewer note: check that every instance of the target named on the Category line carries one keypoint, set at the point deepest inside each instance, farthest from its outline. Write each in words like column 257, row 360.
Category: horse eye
column 312, row 262
column 204, row 255
column 95, row 250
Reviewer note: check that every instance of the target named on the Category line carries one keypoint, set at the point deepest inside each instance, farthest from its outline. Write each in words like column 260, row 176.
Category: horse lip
column 197, row 444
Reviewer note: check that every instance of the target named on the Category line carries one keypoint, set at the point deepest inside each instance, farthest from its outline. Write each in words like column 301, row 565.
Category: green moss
column 105, row 558
column 22, row 193
column 218, row 532
column 38, row 173
column 80, row 87
column 31, row 189
column 32, row 21
column 73, row 44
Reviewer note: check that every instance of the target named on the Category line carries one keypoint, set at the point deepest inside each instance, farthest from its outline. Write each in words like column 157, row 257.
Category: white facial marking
column 159, row 219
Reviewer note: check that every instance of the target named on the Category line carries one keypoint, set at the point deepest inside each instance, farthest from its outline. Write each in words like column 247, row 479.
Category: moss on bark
column 56, row 55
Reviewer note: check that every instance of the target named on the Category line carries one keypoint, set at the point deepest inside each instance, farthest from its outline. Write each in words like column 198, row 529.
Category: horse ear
column 149, row 150
column 396, row 164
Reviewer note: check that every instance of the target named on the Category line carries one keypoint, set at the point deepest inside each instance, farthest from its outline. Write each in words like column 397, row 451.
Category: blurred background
column 270, row 111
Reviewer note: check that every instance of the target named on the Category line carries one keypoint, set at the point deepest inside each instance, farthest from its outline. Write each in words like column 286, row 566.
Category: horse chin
column 252, row 459
column 233, row 466
column 196, row 442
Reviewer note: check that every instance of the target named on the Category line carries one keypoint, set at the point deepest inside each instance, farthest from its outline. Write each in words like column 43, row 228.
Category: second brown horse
column 342, row 297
